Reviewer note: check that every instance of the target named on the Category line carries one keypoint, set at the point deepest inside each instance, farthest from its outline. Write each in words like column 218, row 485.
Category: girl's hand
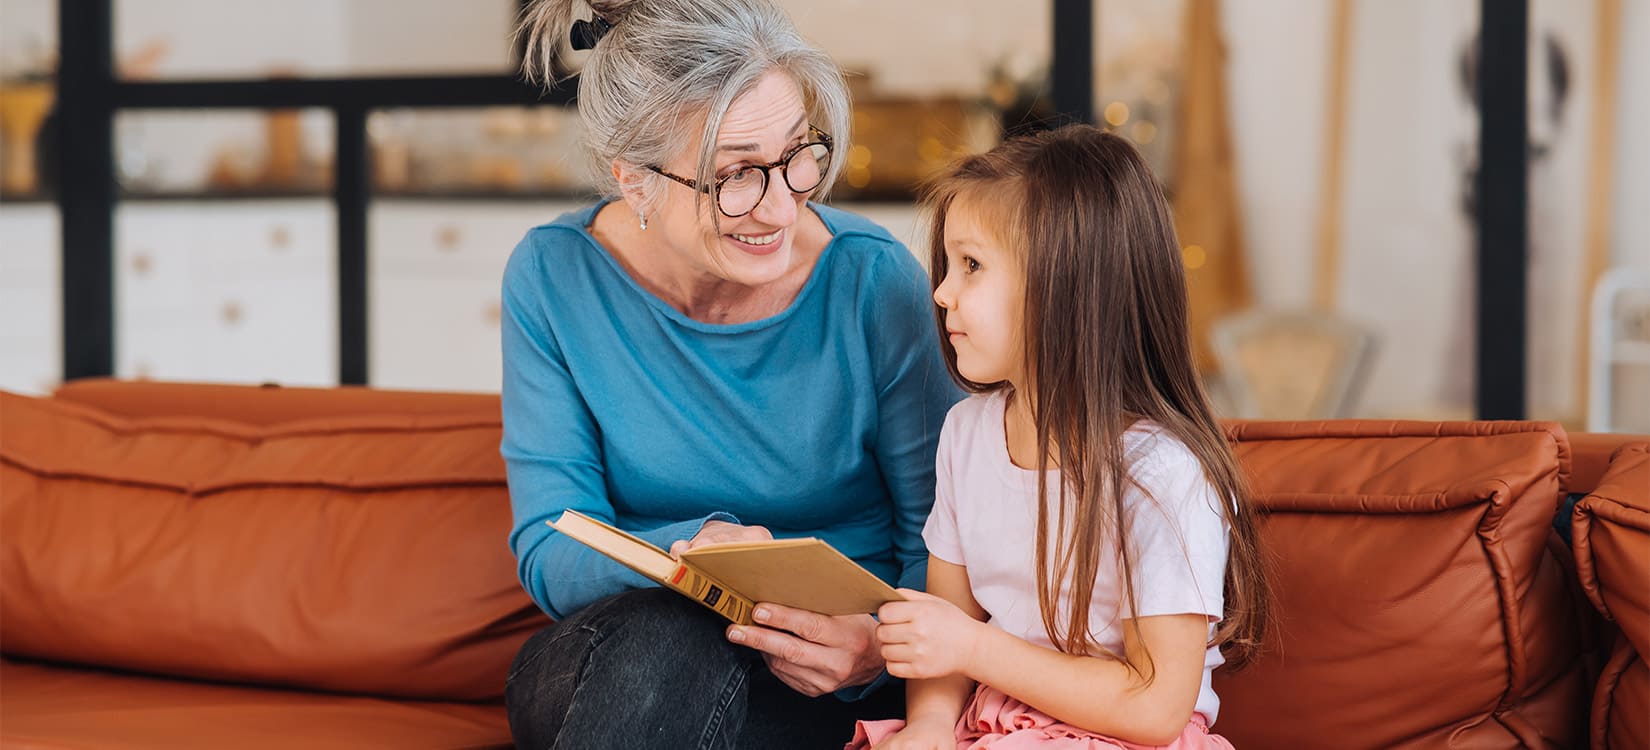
column 719, row 532
column 813, row 653
column 922, row 734
column 927, row 637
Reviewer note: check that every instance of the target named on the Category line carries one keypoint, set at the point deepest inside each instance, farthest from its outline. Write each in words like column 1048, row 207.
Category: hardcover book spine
column 709, row 592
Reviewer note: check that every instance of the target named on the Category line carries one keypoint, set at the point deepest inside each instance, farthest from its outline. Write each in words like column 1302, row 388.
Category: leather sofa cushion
column 1610, row 529
column 1591, row 453
column 1418, row 603
column 361, row 554
column 1611, row 533
column 44, row 706
column 1620, row 721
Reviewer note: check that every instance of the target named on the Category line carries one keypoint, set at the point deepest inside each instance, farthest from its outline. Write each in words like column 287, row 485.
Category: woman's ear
column 631, row 178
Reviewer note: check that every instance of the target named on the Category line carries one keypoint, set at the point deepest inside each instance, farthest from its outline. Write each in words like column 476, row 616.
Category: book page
column 633, row 553
column 650, row 561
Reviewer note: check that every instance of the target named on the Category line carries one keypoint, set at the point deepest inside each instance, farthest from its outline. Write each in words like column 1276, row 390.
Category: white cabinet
column 435, row 270
column 246, row 291
column 31, row 307
column 238, row 292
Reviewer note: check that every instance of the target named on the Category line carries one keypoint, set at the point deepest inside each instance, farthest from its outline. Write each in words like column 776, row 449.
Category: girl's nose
column 943, row 296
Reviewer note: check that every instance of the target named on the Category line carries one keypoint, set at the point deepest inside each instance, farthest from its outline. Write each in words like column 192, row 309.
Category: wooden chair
column 1620, row 338
column 1291, row 365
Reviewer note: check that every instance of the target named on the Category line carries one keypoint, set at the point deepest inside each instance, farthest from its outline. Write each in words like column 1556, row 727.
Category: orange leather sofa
column 220, row 566
column 1612, row 548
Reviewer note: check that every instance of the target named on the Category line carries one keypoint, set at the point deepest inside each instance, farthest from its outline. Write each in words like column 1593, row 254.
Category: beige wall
column 1407, row 247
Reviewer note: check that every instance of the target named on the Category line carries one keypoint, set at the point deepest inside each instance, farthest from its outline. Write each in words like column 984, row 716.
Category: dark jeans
column 651, row 669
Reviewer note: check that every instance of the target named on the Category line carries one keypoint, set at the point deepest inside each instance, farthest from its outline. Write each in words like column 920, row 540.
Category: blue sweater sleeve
column 914, row 392
column 553, row 456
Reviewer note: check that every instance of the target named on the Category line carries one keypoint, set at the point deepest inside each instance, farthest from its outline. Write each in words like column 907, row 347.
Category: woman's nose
column 778, row 204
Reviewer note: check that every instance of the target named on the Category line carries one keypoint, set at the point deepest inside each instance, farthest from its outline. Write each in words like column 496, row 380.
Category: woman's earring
column 644, row 221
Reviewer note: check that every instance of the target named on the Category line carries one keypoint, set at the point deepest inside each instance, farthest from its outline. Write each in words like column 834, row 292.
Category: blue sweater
column 819, row 421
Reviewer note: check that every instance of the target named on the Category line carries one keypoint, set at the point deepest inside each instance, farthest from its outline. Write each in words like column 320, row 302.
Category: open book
column 731, row 578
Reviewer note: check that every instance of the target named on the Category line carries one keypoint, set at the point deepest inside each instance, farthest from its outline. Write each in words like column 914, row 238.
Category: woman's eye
column 741, row 177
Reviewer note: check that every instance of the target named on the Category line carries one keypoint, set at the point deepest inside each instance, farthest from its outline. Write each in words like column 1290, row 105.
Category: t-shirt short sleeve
column 940, row 531
column 1179, row 536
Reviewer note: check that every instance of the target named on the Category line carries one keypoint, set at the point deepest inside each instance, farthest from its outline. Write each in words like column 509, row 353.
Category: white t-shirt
column 985, row 518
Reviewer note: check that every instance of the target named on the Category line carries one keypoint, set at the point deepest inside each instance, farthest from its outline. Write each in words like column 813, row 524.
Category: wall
column 936, row 47
column 1407, row 245
column 1407, row 248
column 1632, row 184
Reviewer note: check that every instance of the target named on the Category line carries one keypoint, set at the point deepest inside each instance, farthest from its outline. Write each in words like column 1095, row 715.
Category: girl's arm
column 941, row 699
column 1102, row 694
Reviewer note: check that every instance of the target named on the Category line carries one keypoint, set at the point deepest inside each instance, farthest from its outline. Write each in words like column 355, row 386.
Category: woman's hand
column 813, row 653
column 719, row 532
column 922, row 734
column 927, row 637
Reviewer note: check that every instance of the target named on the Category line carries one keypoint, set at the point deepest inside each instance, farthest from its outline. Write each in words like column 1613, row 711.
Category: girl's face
column 760, row 127
column 983, row 295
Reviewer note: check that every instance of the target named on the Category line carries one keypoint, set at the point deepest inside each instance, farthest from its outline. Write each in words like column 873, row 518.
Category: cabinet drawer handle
column 448, row 237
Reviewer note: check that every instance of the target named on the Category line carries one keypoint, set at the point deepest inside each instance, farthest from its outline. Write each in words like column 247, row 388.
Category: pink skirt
column 995, row 720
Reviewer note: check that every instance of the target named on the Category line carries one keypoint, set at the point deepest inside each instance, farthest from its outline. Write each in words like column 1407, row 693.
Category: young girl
column 1092, row 551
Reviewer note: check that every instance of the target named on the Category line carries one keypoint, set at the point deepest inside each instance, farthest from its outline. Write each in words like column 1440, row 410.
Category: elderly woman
column 708, row 357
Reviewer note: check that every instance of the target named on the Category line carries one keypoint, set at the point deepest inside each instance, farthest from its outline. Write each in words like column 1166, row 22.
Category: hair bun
column 613, row 12
column 585, row 34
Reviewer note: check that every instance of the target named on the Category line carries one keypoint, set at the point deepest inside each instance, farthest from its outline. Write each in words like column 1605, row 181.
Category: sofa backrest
column 266, row 404
column 362, row 554
column 1612, row 552
column 1418, row 601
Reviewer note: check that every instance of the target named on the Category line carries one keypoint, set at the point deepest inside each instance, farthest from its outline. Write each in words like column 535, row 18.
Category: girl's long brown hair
column 1106, row 345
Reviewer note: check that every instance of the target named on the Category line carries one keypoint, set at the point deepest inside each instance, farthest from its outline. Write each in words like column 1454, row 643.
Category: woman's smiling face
column 761, row 127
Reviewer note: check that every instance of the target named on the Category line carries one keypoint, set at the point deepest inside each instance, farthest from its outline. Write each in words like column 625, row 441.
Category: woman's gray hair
column 665, row 61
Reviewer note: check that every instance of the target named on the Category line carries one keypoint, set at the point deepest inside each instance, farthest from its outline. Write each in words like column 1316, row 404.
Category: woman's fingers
column 720, row 532
column 839, row 651
column 779, row 644
column 809, row 682
column 716, row 532
column 810, row 626
column 796, row 662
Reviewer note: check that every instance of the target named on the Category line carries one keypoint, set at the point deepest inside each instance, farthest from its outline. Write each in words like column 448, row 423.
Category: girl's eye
column 970, row 265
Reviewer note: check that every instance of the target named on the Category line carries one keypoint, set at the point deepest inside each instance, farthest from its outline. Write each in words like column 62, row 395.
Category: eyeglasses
column 803, row 168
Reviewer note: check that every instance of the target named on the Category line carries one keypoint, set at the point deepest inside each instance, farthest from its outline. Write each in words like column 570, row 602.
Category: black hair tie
column 585, row 34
